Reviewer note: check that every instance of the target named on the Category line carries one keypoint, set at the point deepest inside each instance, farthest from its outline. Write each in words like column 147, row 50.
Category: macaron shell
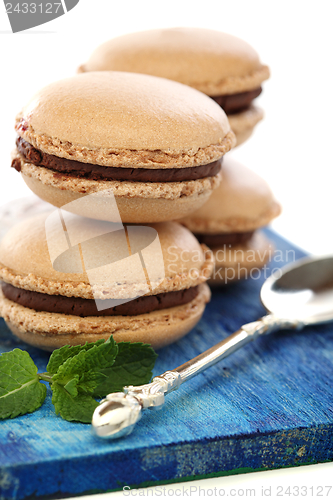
column 137, row 202
column 242, row 202
column 25, row 260
column 234, row 263
column 94, row 117
column 132, row 210
column 50, row 331
column 211, row 61
column 242, row 124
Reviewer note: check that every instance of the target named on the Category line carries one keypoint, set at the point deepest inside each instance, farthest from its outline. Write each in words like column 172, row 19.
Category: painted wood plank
column 267, row 406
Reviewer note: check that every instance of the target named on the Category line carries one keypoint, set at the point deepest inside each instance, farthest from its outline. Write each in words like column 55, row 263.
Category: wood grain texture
column 267, row 406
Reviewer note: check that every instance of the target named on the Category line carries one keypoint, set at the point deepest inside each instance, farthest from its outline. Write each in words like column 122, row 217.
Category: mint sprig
column 77, row 375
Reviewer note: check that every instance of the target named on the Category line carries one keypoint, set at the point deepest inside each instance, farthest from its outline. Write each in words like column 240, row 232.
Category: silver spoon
column 297, row 295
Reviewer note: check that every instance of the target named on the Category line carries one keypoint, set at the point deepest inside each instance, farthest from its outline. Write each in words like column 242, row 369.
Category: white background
column 291, row 148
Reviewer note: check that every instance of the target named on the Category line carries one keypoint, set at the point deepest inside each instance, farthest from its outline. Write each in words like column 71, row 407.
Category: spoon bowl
column 116, row 415
column 301, row 290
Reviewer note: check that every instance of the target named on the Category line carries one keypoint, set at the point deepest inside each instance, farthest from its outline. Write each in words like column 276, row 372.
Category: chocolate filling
column 87, row 307
column 97, row 172
column 218, row 240
column 235, row 103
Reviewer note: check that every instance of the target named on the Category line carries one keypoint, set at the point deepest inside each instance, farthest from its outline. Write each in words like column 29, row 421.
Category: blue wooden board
column 267, row 406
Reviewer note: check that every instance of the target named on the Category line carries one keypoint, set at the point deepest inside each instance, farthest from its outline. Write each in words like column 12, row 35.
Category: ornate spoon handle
column 118, row 412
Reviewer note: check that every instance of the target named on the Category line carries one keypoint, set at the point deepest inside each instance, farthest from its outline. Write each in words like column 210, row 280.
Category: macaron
column 153, row 145
column 68, row 280
column 230, row 222
column 218, row 64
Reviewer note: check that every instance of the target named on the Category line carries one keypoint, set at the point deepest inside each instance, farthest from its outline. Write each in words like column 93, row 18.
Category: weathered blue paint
column 267, row 406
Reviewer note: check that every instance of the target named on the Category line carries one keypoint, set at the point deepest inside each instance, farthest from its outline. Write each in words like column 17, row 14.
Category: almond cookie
column 68, row 280
column 153, row 144
column 218, row 64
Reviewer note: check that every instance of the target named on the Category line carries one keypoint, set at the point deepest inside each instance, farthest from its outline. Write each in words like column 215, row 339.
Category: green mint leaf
column 59, row 356
column 133, row 366
column 88, row 364
column 78, row 409
column 20, row 389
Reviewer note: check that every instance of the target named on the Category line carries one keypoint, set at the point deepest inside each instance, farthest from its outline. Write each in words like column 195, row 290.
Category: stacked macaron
column 229, row 223
column 112, row 148
column 218, row 64
column 73, row 300
column 156, row 145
